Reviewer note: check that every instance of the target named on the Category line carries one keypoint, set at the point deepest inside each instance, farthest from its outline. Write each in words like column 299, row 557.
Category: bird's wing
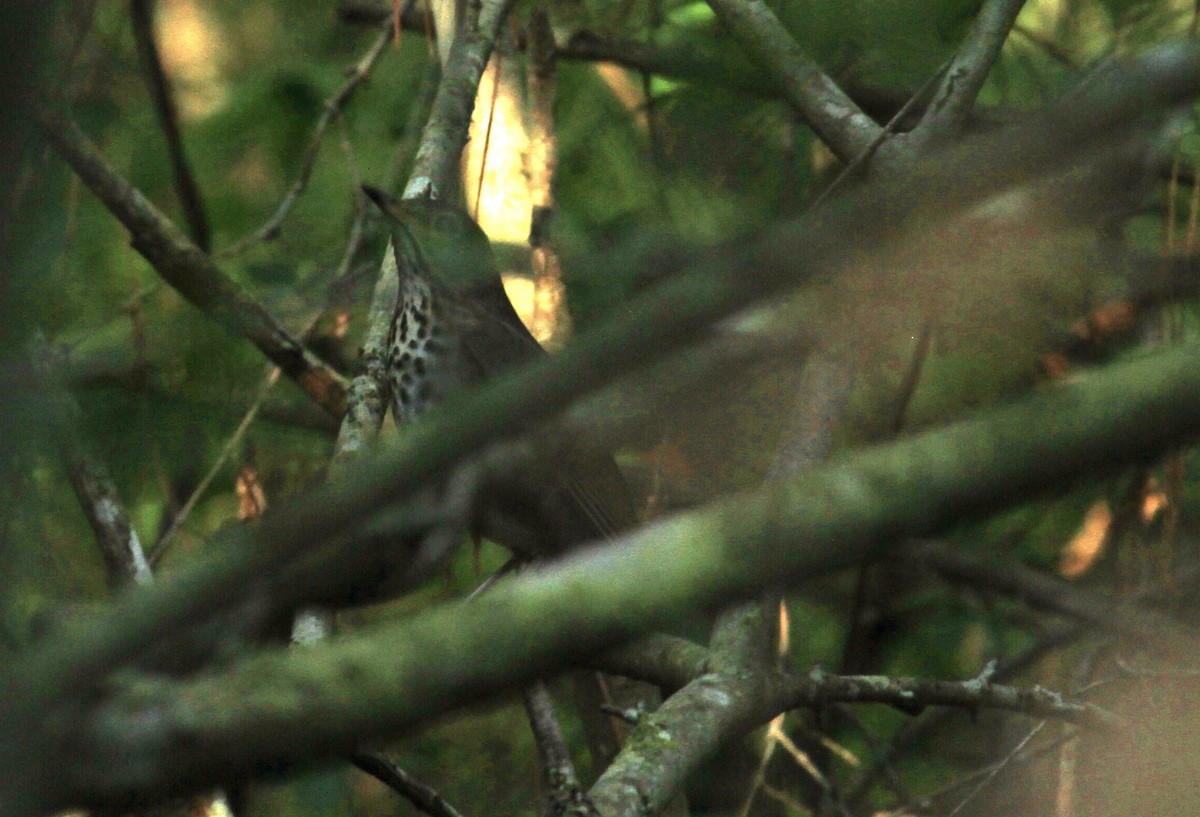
column 495, row 340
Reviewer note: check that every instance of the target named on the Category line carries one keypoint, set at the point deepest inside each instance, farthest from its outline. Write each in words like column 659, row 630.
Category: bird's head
column 438, row 238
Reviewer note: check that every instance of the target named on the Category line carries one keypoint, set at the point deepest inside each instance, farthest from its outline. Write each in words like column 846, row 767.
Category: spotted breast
column 421, row 352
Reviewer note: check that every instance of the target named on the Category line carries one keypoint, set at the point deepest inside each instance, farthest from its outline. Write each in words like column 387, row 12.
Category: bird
column 453, row 328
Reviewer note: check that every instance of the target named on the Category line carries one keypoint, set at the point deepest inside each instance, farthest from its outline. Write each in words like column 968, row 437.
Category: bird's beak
column 386, row 202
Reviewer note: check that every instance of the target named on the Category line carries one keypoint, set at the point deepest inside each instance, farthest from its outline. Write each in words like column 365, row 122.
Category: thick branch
column 190, row 271
column 664, row 747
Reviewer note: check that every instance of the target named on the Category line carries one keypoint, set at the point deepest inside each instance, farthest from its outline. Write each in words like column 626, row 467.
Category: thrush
column 454, row 328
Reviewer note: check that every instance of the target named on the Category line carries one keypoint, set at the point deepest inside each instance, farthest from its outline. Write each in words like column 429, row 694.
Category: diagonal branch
column 833, row 115
column 190, row 271
column 141, row 17
column 333, row 107
column 124, row 560
column 955, row 96
column 690, row 724
column 1043, row 592
column 423, row 798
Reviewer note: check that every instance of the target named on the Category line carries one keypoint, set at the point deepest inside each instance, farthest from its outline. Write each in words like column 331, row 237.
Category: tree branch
column 1046, row 593
column 832, row 115
column 190, row 271
column 142, row 19
column 124, row 560
column 366, row 400
column 663, row 660
column 666, row 744
column 422, row 797
column 436, row 167
column 332, row 109
column 955, row 96
column 911, row 695
column 564, row 795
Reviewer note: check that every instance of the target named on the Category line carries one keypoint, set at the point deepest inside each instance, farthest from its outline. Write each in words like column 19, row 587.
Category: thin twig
column 406, row 147
column 862, row 158
column 272, row 376
column 423, row 797
column 190, row 270
column 333, row 107
column 912, row 695
column 497, row 66
column 141, row 16
column 231, row 444
column 997, row 768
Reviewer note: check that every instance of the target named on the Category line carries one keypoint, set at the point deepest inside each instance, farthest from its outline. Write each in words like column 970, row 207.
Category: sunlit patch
column 821, row 156
column 210, row 807
column 537, row 307
column 520, row 291
column 785, row 630
column 627, row 90
column 1055, row 365
column 1154, row 502
column 1087, row 545
column 501, row 203
column 192, row 52
column 341, row 323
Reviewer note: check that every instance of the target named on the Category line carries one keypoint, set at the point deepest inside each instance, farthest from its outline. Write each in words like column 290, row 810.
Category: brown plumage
column 454, row 328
